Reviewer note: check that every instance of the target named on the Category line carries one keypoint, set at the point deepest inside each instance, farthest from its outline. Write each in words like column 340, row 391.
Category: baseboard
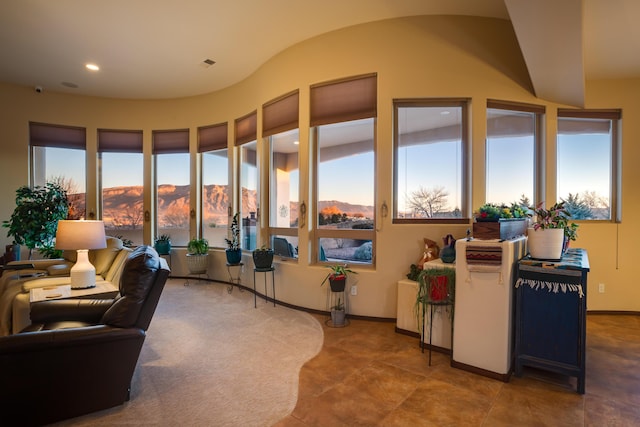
column 614, row 312
column 483, row 372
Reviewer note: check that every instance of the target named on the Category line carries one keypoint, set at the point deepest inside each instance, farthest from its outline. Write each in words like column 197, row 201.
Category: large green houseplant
column 34, row 221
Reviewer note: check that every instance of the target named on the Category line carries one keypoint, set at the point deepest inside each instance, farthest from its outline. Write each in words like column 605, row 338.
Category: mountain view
column 123, row 208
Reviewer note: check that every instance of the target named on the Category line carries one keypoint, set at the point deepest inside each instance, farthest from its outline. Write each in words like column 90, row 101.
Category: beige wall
column 415, row 57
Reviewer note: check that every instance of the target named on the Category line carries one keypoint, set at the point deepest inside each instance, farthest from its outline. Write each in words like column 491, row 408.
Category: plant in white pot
column 197, row 256
column 550, row 232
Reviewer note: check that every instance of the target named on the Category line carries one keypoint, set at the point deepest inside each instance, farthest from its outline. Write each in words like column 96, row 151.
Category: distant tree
column 130, row 219
column 76, row 198
column 577, row 207
column 176, row 217
column 428, row 202
column 524, row 201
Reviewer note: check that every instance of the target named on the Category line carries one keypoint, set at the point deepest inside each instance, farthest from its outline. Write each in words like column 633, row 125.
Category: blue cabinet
column 550, row 315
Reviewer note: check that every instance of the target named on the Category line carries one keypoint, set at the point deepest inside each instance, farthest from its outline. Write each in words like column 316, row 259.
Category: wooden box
column 503, row 229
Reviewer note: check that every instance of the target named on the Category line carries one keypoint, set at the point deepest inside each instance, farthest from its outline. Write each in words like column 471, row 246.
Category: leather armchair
column 79, row 356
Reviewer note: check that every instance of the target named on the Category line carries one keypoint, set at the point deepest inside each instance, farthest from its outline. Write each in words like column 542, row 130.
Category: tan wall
column 415, row 57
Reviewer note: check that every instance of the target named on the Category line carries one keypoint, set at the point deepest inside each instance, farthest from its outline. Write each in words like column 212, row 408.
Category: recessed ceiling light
column 92, row 67
column 296, row 142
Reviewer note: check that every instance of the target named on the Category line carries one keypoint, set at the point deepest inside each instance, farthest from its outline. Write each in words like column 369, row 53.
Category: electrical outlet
column 601, row 288
column 354, row 290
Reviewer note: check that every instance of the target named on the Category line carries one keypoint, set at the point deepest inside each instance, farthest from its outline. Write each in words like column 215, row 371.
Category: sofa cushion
column 59, row 269
column 138, row 276
column 103, row 258
column 115, row 271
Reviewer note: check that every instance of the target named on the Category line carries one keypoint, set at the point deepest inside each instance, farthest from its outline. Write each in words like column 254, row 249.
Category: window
column 246, row 144
column 59, row 155
column 513, row 131
column 280, row 126
column 588, row 164
column 212, row 144
column 343, row 119
column 121, row 183
column 171, row 154
column 430, row 172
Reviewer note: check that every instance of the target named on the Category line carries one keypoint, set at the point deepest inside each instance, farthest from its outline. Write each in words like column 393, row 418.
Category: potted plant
column 34, row 221
column 337, row 277
column 234, row 253
column 500, row 221
column 162, row 244
column 197, row 255
column 263, row 257
column 338, row 314
column 550, row 232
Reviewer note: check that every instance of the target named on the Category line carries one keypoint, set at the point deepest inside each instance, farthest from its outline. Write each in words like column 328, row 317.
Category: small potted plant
column 162, row 244
column 338, row 277
column 234, row 253
column 551, row 231
column 263, row 257
column 197, row 255
column 338, row 314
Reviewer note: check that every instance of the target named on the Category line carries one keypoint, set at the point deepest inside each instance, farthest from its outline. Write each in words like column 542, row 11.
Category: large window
column 280, row 127
column 171, row 154
column 588, row 163
column 513, row 131
column 247, row 147
column 212, row 144
column 430, row 145
column 122, row 183
column 343, row 119
column 58, row 155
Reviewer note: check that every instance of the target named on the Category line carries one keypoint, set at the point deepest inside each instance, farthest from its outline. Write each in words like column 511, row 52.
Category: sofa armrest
column 84, row 310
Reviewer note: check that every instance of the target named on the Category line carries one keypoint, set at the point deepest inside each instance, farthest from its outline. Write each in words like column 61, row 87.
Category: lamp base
column 83, row 273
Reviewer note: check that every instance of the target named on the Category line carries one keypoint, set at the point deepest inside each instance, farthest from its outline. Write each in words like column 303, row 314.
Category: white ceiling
column 155, row 48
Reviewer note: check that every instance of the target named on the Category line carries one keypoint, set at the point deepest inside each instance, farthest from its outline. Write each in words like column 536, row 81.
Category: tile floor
column 369, row 375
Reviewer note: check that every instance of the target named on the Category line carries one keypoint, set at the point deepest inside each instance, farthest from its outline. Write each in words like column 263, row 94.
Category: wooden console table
column 551, row 305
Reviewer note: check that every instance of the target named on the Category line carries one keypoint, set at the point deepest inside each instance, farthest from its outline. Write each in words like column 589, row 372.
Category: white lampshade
column 81, row 236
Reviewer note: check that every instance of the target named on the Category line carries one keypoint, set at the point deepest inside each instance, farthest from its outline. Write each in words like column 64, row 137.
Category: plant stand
column 333, row 298
column 448, row 305
column 234, row 278
column 273, row 284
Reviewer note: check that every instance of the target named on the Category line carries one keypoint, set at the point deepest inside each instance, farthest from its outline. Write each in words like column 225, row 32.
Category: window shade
column 119, row 141
column 212, row 137
column 44, row 135
column 281, row 114
column 246, row 128
column 170, row 141
column 344, row 100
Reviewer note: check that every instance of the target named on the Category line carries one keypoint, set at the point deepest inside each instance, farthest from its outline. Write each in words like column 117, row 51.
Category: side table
column 273, row 284
column 551, row 302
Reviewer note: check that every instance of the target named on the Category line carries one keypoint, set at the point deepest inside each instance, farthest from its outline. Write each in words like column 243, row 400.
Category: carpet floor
column 211, row 359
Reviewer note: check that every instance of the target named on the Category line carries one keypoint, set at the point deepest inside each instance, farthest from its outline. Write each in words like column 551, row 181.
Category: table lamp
column 81, row 236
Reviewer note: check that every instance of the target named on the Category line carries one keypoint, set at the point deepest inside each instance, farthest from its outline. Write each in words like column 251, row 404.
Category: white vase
column 545, row 244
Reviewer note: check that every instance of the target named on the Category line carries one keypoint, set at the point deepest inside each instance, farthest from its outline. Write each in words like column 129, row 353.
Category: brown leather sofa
column 79, row 356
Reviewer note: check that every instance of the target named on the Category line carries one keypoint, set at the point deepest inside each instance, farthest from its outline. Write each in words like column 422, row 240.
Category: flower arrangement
column 556, row 216
column 493, row 211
